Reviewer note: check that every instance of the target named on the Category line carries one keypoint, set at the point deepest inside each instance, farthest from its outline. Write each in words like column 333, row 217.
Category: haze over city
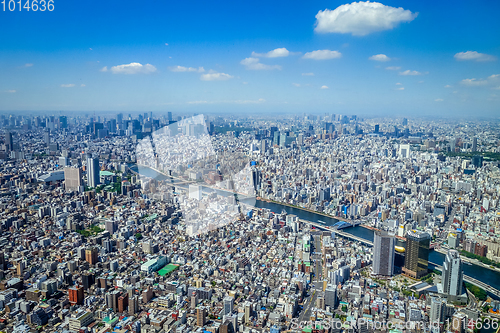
column 249, row 167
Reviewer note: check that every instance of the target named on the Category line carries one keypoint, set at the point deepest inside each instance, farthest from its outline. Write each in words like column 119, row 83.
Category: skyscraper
column 91, row 255
column 437, row 310
column 76, row 295
column 474, row 144
column 9, row 141
column 93, row 177
column 72, row 178
column 331, row 296
column 228, row 305
column 46, row 137
column 452, row 274
column 201, row 316
column 417, row 254
column 383, row 254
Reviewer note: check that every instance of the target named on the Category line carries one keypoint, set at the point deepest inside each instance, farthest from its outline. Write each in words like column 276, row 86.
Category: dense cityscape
column 254, row 166
column 339, row 223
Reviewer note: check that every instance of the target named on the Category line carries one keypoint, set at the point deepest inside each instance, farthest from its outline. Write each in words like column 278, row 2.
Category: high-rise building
column 76, row 295
column 111, row 226
column 194, row 300
column 228, row 305
column 91, row 255
column 331, row 296
column 63, row 121
column 437, row 310
column 72, row 178
column 9, row 141
column 201, row 316
column 474, row 144
column 46, row 137
column 452, row 274
column 383, row 254
column 417, row 254
column 248, row 311
column 133, row 305
column 93, row 176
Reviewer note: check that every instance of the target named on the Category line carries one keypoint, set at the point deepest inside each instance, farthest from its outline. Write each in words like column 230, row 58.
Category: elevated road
column 475, row 282
column 467, row 278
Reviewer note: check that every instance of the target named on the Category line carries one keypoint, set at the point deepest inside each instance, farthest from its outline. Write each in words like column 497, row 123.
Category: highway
column 475, row 282
column 467, row 278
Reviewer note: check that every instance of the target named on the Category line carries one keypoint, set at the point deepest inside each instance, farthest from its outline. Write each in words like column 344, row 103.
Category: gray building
column 383, row 254
column 93, row 177
column 452, row 274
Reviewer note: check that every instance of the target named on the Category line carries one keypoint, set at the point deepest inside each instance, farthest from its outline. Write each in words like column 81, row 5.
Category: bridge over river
column 344, row 234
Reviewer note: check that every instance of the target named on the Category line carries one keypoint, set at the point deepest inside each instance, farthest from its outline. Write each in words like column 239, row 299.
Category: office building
column 417, row 254
column 91, row 255
column 201, row 316
column 228, row 305
column 93, row 176
column 383, row 253
column 452, row 277
column 9, row 141
column 72, row 178
column 437, row 310
column 76, row 295
column 331, row 296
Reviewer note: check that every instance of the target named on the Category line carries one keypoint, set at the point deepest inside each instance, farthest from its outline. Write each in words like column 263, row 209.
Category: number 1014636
column 27, row 5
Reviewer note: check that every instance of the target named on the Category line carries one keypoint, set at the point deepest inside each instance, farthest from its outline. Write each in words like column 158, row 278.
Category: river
column 485, row 275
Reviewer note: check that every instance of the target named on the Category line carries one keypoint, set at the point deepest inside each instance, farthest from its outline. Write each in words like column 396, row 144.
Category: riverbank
column 307, row 210
column 471, row 261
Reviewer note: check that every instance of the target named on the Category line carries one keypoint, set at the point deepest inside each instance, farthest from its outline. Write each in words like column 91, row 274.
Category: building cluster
column 123, row 225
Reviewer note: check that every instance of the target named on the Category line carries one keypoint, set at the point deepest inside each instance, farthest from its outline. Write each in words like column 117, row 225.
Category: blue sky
column 432, row 58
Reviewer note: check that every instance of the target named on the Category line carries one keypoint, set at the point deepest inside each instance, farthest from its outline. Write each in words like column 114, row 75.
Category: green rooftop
column 168, row 269
column 105, row 173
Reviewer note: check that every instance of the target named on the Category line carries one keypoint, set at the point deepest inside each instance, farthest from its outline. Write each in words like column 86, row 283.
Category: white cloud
column 393, row 68
column 439, row 100
column 276, row 53
column 307, row 74
column 296, row 84
column 400, row 88
column 324, row 87
column 474, row 82
column 490, row 80
column 379, row 57
column 166, row 44
column 104, row 69
column 132, row 68
column 254, row 64
column 260, row 100
column 361, row 18
column 447, row 86
column 186, row 69
column 496, row 88
column 409, row 72
column 399, row 84
column 28, row 65
column 69, row 85
column 473, row 55
column 322, row 55
column 214, row 76
column 82, row 85
column 239, row 101
column 12, row 91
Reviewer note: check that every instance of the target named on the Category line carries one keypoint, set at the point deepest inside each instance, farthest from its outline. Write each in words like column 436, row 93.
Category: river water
column 480, row 273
